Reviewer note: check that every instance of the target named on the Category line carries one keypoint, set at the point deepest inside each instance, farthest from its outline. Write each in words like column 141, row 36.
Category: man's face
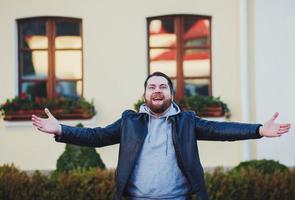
column 157, row 94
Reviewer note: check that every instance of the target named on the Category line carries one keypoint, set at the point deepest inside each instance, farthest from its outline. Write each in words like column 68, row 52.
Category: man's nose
column 157, row 89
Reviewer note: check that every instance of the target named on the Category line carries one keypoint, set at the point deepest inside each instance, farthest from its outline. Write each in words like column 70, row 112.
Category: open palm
column 47, row 125
column 272, row 129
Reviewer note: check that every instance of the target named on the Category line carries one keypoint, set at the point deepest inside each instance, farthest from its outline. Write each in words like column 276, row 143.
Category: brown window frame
column 178, row 24
column 50, row 32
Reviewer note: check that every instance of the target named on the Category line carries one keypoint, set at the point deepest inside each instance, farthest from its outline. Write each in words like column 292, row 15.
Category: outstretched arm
column 229, row 131
column 96, row 137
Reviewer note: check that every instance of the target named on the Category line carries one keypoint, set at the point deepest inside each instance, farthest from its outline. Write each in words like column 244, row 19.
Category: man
column 158, row 157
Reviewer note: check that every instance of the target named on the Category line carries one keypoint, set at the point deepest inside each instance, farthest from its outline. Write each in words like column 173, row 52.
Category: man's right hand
column 48, row 125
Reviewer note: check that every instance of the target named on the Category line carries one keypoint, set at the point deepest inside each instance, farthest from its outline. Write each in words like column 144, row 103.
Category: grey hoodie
column 156, row 174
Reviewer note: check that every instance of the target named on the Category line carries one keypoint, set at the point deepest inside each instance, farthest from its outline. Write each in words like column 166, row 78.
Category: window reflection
column 196, row 63
column 196, row 86
column 67, row 28
column 63, row 42
column 34, row 89
column 196, row 32
column 35, row 65
column 32, row 30
column 69, row 89
column 163, row 60
column 162, row 33
column 68, row 64
column 37, row 42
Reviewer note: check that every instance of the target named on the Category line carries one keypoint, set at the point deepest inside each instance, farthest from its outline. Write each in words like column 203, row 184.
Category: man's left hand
column 272, row 129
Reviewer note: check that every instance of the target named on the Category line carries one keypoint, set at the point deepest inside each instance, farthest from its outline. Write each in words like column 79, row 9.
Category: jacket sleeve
column 226, row 131
column 92, row 137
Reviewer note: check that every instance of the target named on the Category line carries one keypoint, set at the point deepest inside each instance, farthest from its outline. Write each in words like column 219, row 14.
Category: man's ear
column 142, row 97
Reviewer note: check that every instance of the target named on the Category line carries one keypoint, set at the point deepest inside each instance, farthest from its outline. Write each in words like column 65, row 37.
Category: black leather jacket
column 131, row 129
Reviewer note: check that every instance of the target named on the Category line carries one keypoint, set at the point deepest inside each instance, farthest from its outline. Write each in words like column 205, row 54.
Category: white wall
column 274, row 30
column 115, row 67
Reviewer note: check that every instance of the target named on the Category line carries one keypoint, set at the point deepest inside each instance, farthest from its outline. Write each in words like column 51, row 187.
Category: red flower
column 23, row 95
column 38, row 100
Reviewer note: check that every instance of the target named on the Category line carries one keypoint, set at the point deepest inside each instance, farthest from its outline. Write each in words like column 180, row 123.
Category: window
column 50, row 57
column 180, row 46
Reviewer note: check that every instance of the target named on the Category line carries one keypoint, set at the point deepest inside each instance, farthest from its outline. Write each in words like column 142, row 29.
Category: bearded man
column 158, row 156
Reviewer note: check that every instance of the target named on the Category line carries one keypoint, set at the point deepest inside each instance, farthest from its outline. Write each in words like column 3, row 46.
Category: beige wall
column 115, row 67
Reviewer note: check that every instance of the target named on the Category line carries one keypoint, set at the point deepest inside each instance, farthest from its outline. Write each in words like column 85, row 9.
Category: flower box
column 212, row 111
column 22, row 107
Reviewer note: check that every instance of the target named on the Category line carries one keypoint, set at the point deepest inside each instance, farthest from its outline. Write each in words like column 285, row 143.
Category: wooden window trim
column 178, row 24
column 50, row 33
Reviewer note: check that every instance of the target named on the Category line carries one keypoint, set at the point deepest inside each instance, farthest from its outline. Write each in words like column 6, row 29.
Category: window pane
column 68, row 35
column 68, row 64
column 196, row 32
column 34, row 89
column 63, row 42
column 69, row 89
column 67, row 28
column 35, row 64
column 196, row 86
column 161, row 33
column 196, row 62
column 34, row 35
column 163, row 60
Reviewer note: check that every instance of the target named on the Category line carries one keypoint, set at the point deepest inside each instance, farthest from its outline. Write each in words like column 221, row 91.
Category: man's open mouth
column 157, row 99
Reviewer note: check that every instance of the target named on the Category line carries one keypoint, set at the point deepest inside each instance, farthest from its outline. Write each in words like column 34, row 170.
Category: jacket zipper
column 178, row 154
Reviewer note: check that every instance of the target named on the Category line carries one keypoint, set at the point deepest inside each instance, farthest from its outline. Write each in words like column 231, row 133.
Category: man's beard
column 158, row 108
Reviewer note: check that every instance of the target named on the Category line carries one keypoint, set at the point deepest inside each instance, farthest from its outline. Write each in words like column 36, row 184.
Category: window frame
column 51, row 81
column 180, row 49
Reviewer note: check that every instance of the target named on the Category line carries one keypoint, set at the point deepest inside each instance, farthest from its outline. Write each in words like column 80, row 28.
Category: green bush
column 250, row 184
column 78, row 157
column 89, row 184
column 262, row 166
column 245, row 184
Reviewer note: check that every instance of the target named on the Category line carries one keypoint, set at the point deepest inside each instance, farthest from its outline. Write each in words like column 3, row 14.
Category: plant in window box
column 23, row 106
column 205, row 106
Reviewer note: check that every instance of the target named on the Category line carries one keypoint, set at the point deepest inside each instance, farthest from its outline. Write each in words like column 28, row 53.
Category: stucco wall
column 115, row 67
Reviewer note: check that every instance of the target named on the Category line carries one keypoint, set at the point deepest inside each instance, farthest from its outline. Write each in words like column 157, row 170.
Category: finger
column 285, row 125
column 280, row 132
column 48, row 113
column 276, row 114
column 36, row 118
column 285, row 128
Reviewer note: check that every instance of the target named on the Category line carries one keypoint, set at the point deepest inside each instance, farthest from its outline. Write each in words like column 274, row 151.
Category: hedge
column 99, row 184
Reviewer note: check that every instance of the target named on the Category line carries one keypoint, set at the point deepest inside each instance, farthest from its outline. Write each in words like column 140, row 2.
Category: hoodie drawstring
column 167, row 136
column 149, row 129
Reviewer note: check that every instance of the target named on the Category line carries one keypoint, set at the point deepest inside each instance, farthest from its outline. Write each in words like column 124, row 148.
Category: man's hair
column 159, row 74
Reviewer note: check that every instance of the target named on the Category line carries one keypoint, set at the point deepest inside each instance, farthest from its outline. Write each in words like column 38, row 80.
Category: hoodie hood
column 172, row 110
